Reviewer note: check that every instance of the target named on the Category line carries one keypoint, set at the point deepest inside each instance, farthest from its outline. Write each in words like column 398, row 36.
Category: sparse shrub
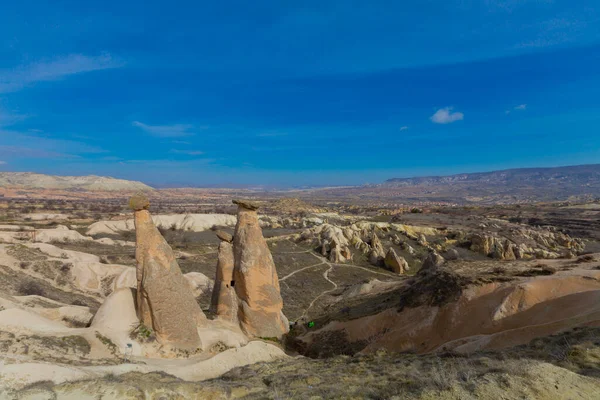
column 30, row 288
column 142, row 333
column 66, row 268
column 585, row 258
column 499, row 270
column 107, row 285
column 128, row 236
column 218, row 347
column 24, row 264
column 540, row 269
column 108, row 343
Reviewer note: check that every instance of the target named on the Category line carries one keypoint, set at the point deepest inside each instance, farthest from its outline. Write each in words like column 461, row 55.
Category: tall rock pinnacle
column 164, row 300
column 224, row 301
column 255, row 278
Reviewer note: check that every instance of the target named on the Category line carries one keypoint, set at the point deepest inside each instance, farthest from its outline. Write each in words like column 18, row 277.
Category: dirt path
column 299, row 270
column 323, row 261
column 335, row 286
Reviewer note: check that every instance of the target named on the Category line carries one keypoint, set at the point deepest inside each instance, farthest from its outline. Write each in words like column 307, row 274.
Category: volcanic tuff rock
column 525, row 243
column 255, row 278
column 377, row 253
column 395, row 263
column 164, row 299
column 224, row 301
column 332, row 241
column 432, row 261
column 224, row 236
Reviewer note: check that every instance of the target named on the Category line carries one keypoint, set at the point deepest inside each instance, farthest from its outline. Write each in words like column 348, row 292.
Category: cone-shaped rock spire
column 224, row 301
column 164, row 299
column 255, row 278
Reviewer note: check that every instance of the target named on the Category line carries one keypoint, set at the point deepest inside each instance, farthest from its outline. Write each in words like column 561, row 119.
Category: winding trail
column 323, row 261
column 335, row 286
column 300, row 270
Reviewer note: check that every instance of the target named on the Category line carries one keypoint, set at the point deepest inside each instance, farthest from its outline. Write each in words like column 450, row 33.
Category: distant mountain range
column 29, row 180
column 579, row 175
column 534, row 184
column 579, row 182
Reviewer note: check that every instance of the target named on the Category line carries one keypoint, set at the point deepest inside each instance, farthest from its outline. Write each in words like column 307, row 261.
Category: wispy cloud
column 18, row 145
column 403, row 128
column 520, row 107
column 9, row 118
column 15, row 79
column 28, row 152
column 111, row 158
column 187, row 152
column 446, row 116
column 176, row 130
column 3, row 163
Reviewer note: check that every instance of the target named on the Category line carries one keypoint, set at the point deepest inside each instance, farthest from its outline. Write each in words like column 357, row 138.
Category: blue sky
column 297, row 93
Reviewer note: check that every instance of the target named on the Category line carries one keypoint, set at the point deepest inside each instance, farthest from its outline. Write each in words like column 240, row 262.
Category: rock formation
column 255, row 278
column 452, row 254
column 164, row 299
column 540, row 243
column 332, row 242
column 432, row 261
column 395, row 263
column 377, row 253
column 224, row 299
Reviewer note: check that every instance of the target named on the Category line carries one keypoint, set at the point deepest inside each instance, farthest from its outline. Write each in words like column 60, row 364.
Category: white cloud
column 3, row 163
column 14, row 79
column 521, row 107
column 403, row 128
column 176, row 130
column 187, row 152
column 446, row 116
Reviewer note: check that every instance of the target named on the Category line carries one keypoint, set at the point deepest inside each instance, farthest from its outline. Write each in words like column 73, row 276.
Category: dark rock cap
column 250, row 205
column 139, row 201
column 224, row 236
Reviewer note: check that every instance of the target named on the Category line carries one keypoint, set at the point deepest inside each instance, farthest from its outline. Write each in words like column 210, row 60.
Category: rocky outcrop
column 432, row 261
column 526, row 243
column 452, row 254
column 331, row 241
column 395, row 263
column 164, row 299
column 224, row 302
column 377, row 254
column 255, row 278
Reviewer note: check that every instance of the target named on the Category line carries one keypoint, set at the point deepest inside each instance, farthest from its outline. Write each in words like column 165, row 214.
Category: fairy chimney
column 255, row 278
column 224, row 299
column 164, row 299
